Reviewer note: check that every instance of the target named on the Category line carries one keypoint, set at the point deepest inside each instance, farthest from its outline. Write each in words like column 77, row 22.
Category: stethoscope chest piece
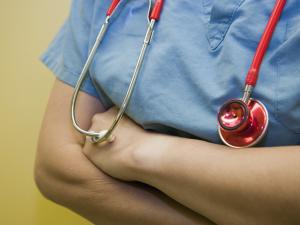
column 242, row 124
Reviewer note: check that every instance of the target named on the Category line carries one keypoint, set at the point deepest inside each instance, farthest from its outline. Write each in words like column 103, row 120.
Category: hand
column 118, row 157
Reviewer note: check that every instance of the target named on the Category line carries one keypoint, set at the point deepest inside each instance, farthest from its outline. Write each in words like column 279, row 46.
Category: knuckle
column 97, row 117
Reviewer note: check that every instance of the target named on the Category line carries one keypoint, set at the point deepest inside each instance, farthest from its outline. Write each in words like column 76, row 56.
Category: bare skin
column 64, row 174
column 254, row 186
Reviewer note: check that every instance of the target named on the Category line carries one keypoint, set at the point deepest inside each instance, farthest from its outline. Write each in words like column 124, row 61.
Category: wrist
column 148, row 160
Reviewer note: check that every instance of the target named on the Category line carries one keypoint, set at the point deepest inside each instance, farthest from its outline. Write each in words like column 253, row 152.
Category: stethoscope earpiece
column 103, row 136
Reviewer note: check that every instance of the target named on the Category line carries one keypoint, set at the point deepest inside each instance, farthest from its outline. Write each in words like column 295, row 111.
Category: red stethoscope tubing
column 156, row 11
column 253, row 73
column 155, row 14
column 112, row 7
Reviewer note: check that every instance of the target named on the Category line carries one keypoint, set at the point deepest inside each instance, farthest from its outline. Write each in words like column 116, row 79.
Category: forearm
column 134, row 204
column 66, row 176
column 253, row 186
column 72, row 181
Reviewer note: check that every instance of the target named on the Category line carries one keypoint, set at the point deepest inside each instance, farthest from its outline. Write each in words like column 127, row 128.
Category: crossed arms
column 65, row 176
column 202, row 180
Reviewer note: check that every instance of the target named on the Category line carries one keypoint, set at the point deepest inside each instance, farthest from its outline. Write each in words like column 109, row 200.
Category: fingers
column 105, row 116
column 104, row 120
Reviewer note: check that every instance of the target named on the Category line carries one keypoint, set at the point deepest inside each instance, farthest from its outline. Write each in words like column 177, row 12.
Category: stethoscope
column 242, row 122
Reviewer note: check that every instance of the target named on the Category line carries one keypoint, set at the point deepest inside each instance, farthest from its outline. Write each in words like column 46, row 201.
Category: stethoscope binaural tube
column 106, row 135
column 243, row 122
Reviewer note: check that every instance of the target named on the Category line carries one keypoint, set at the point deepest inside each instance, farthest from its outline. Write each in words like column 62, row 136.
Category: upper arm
column 57, row 119
column 59, row 159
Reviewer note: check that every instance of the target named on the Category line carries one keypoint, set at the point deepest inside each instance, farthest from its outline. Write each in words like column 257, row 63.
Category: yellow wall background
column 26, row 28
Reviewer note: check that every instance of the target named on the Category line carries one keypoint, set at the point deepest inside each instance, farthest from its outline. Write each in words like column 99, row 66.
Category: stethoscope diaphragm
column 242, row 124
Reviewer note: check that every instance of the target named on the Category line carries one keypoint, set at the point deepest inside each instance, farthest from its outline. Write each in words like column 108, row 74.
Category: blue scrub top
column 198, row 59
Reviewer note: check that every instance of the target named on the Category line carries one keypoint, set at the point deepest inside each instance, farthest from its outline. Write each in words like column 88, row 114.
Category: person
column 167, row 164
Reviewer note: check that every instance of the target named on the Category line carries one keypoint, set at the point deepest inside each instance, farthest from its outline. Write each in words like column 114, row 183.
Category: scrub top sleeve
column 68, row 51
column 55, row 58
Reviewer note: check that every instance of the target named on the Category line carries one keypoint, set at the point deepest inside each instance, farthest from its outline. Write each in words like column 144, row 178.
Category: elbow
column 56, row 179
column 47, row 183
column 63, row 176
column 42, row 182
